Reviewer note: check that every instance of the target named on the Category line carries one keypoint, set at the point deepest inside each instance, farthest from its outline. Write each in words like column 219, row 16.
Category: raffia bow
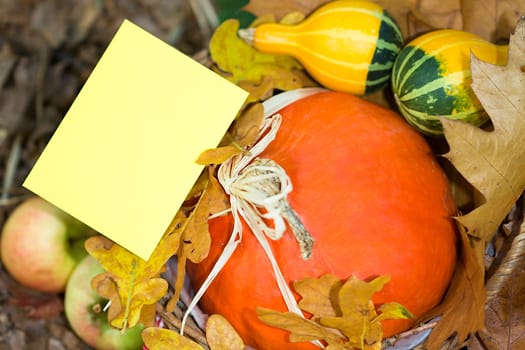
column 258, row 189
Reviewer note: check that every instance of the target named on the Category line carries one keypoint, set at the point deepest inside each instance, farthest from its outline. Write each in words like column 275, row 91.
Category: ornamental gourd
column 346, row 45
column 370, row 192
column 431, row 78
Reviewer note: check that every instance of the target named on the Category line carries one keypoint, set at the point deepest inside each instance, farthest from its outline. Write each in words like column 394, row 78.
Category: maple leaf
column 129, row 281
column 493, row 161
column 343, row 314
column 221, row 335
column 165, row 339
column 244, row 63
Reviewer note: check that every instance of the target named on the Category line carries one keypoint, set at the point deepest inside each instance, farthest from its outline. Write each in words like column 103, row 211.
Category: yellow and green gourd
column 431, row 78
column 346, row 45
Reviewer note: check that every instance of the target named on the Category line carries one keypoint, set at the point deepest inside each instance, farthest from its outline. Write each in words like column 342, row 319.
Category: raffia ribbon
column 258, row 189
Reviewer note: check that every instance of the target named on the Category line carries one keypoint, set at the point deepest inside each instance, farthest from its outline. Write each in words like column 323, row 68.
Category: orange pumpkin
column 369, row 190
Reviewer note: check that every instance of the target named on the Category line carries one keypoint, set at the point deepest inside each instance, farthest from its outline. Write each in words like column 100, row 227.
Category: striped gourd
column 431, row 78
column 346, row 45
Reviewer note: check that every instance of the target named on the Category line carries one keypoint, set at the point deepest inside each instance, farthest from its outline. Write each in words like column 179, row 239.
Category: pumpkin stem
column 264, row 183
column 303, row 237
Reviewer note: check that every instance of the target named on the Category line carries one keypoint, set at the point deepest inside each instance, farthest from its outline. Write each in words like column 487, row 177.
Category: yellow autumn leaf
column 221, row 335
column 358, row 313
column 300, row 329
column 195, row 239
column 164, row 339
column 218, row 155
column 242, row 62
column 317, row 294
column 392, row 311
column 136, row 281
column 343, row 314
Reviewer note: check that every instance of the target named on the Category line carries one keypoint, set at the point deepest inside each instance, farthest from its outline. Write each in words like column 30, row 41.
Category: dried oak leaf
column 343, row 314
column 507, row 14
column 243, row 63
column 491, row 19
column 317, row 295
column 164, row 339
column 505, row 307
column 493, row 161
column 129, row 281
column 195, row 239
column 359, row 321
column 462, row 309
column 281, row 8
column 244, row 132
column 221, row 335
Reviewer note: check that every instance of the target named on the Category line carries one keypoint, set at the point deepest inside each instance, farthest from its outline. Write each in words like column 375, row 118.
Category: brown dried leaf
column 282, row 7
column 301, row 329
column 217, row 200
column 246, row 128
column 107, row 288
column 196, row 240
column 479, row 18
column 493, row 161
column 491, row 19
column 505, row 308
column 258, row 91
column 462, row 310
column 221, row 335
column 317, row 295
column 244, row 132
column 508, row 13
column 439, row 13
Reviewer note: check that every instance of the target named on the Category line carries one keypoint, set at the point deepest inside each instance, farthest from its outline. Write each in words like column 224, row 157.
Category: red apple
column 40, row 245
column 90, row 326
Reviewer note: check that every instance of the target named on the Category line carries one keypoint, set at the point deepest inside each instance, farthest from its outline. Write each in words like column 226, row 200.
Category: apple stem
column 106, row 307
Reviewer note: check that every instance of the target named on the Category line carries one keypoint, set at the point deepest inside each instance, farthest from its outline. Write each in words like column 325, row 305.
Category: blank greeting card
column 123, row 159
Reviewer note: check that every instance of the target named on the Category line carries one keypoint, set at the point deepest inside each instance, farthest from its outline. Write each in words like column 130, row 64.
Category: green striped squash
column 431, row 78
column 346, row 45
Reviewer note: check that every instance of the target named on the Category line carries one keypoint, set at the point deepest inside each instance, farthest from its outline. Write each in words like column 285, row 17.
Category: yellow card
column 123, row 159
